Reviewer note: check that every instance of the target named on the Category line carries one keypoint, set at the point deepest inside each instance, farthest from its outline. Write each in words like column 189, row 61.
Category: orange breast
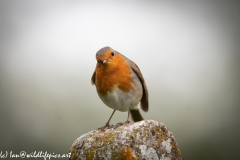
column 115, row 73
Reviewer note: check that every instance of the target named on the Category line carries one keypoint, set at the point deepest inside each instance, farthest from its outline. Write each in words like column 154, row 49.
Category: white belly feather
column 123, row 101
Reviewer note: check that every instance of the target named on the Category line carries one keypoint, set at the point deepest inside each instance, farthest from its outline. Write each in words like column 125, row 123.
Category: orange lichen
column 74, row 153
column 89, row 154
column 175, row 149
column 122, row 143
column 125, row 154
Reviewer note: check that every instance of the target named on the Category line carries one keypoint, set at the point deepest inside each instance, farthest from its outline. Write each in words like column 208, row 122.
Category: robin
column 120, row 84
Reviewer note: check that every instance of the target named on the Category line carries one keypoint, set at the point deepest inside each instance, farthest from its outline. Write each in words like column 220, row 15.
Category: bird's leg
column 107, row 124
column 128, row 117
column 120, row 123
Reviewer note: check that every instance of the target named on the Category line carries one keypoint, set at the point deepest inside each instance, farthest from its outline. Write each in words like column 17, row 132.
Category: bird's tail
column 136, row 115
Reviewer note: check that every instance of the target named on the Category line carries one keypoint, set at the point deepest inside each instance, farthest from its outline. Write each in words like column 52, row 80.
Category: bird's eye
column 112, row 53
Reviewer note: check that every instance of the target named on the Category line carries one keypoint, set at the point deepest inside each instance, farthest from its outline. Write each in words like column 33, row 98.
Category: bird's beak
column 100, row 61
column 104, row 61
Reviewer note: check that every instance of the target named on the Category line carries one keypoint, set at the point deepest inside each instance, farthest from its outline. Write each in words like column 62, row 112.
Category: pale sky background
column 188, row 52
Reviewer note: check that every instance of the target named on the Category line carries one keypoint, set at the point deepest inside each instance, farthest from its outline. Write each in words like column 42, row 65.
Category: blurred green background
column 188, row 52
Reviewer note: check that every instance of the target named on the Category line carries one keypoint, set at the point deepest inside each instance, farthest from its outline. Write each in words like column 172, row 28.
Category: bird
column 120, row 84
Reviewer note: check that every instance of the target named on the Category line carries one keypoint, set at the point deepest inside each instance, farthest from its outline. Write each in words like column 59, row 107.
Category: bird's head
column 106, row 55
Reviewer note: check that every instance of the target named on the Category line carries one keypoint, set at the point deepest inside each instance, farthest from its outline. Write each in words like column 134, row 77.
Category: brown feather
column 93, row 77
column 144, row 100
column 136, row 115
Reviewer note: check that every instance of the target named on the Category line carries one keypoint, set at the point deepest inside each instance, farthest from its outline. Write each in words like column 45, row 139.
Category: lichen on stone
column 146, row 139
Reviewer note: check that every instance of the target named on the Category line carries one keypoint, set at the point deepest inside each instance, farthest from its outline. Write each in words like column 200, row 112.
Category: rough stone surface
column 143, row 140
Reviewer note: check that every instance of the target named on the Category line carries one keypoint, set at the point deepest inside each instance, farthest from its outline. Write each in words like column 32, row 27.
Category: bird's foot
column 105, row 126
column 122, row 123
column 127, row 122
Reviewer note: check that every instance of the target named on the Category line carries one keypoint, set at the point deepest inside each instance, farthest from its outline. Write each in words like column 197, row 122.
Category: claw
column 127, row 122
column 120, row 123
column 105, row 126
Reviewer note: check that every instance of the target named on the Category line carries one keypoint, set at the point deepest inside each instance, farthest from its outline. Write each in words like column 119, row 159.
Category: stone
column 144, row 140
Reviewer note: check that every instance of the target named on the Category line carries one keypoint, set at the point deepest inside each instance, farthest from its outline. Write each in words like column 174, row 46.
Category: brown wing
column 144, row 100
column 93, row 77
